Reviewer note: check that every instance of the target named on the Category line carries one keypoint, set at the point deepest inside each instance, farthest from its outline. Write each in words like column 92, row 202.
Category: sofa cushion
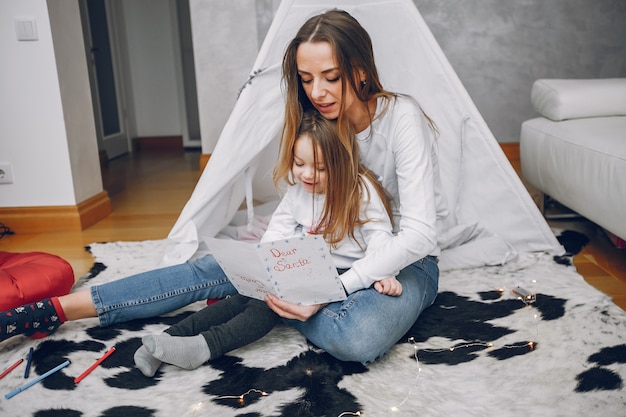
column 559, row 99
column 581, row 163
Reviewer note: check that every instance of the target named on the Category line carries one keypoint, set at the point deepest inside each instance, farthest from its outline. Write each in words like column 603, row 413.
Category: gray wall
column 499, row 47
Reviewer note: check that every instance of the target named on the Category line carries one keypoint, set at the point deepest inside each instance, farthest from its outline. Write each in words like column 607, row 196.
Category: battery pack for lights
column 524, row 295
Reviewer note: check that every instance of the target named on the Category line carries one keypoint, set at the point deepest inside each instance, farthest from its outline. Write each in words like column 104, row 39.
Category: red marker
column 10, row 368
column 92, row 367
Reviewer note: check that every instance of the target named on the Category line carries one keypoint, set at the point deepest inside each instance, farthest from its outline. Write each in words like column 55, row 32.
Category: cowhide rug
column 478, row 351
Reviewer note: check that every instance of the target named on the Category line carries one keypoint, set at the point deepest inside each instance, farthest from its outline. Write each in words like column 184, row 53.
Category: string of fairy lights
column 528, row 297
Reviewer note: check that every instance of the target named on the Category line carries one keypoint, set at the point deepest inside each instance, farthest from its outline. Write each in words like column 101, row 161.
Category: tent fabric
column 492, row 215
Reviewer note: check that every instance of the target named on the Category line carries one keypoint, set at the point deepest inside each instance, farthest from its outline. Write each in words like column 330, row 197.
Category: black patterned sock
column 35, row 320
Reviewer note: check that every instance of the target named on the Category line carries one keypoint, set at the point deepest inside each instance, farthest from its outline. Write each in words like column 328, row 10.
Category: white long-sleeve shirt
column 299, row 212
column 398, row 146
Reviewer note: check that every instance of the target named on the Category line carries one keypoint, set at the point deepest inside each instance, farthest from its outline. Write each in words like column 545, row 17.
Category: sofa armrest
column 561, row 99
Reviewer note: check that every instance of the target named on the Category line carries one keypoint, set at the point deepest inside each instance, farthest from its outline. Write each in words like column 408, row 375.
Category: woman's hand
column 288, row 310
column 389, row 286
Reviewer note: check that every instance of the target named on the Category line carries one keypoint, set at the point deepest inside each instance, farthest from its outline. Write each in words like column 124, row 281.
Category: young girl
column 328, row 67
column 330, row 193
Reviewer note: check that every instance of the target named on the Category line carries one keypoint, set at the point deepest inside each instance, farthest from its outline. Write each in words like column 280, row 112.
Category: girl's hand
column 288, row 310
column 389, row 286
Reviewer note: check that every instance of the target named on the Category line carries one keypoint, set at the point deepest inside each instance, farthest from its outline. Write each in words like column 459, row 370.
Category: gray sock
column 147, row 364
column 185, row 352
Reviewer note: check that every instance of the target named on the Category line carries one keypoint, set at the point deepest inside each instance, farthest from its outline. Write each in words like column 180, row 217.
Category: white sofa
column 576, row 151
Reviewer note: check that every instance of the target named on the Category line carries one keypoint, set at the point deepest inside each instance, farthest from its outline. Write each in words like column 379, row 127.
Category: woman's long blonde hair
column 354, row 56
column 345, row 189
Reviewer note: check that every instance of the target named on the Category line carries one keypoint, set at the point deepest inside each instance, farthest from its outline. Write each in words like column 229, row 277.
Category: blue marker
column 28, row 362
column 34, row 381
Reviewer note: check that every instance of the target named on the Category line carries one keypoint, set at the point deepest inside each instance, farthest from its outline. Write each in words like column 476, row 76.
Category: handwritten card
column 298, row 270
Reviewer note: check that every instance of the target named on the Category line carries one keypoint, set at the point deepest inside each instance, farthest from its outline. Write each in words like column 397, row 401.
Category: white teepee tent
column 492, row 216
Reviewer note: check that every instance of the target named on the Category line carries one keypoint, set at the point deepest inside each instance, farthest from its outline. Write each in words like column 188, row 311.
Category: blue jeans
column 361, row 328
column 160, row 291
column 367, row 324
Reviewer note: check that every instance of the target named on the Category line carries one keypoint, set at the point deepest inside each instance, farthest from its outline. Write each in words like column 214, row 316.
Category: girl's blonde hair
column 345, row 189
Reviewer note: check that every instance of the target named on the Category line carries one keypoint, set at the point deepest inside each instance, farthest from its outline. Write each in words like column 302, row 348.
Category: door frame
column 117, row 144
column 185, row 73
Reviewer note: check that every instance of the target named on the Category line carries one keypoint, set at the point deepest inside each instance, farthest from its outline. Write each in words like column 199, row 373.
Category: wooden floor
column 148, row 189
column 600, row 262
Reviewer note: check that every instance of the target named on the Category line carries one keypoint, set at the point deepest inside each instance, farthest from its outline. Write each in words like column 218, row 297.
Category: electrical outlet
column 6, row 174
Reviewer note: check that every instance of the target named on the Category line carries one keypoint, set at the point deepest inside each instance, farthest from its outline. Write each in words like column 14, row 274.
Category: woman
column 329, row 66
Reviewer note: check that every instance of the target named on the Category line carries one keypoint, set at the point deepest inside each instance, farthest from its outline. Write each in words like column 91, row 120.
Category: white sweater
column 399, row 148
column 299, row 211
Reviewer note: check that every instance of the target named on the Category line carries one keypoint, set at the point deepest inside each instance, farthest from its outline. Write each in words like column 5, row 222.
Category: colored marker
column 92, row 367
column 34, row 381
column 28, row 362
column 10, row 368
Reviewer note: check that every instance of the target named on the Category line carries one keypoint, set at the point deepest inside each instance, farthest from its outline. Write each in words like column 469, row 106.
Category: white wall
column 73, row 79
column 34, row 136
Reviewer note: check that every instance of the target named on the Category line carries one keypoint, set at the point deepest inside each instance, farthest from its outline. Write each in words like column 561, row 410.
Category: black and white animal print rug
column 527, row 338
